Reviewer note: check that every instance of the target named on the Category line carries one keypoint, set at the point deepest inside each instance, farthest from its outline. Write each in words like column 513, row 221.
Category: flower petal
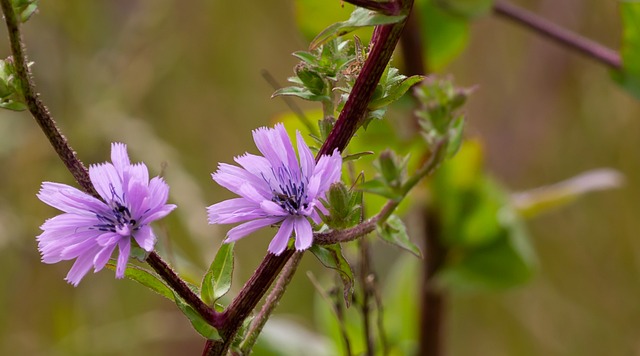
column 281, row 240
column 307, row 162
column 304, row 233
column 245, row 229
column 69, row 199
column 106, row 180
column 234, row 210
column 119, row 157
column 145, row 238
column 272, row 208
column 123, row 257
column 81, row 267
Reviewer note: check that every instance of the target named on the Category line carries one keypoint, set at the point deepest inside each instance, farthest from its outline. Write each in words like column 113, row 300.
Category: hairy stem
column 270, row 304
column 384, row 42
column 558, row 34
column 37, row 109
column 68, row 156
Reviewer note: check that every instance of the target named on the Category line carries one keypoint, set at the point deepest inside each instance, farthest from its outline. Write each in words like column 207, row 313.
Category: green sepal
column 395, row 91
column 217, row 281
column 331, row 257
column 394, row 232
column 343, row 206
column 360, row 17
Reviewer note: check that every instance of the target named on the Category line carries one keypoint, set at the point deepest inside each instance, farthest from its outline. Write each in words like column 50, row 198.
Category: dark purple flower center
column 119, row 219
column 290, row 192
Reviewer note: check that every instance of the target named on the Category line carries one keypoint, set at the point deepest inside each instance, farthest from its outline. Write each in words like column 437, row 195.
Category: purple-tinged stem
column 68, row 156
column 558, row 34
column 384, row 42
column 179, row 286
column 38, row 110
column 390, row 8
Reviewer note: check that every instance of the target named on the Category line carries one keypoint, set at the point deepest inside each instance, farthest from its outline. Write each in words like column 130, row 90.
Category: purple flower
column 275, row 189
column 90, row 229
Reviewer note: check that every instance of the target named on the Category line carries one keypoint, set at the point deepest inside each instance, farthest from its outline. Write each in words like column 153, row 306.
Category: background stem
column 558, row 34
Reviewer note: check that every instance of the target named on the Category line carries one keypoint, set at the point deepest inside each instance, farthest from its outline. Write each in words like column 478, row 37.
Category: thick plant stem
column 68, row 156
column 433, row 299
column 384, row 42
column 558, row 34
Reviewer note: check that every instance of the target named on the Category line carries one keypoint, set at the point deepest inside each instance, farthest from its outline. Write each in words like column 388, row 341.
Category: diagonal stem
column 384, row 42
column 558, row 34
column 68, row 156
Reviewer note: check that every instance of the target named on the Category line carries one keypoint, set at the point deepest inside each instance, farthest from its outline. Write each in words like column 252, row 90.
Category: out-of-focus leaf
column 331, row 257
column 506, row 262
column 466, row 8
column 400, row 295
column 394, row 232
column 360, row 17
column 217, row 281
column 379, row 187
column 25, row 8
column 287, row 337
column 540, row 200
column 629, row 75
column 313, row 16
column 445, row 35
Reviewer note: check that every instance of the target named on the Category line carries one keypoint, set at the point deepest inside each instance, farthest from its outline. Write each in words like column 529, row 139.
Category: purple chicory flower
column 90, row 229
column 276, row 188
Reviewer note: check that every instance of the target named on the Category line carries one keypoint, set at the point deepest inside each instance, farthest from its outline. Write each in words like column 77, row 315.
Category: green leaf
column 395, row 92
column 629, row 75
column 11, row 96
column 466, row 8
column 25, row 8
column 217, row 281
column 360, row 17
column 331, row 257
column 377, row 186
column 445, row 35
column 506, row 262
column 147, row 279
column 394, row 232
column 198, row 323
column 153, row 282
column 302, row 93
column 355, row 156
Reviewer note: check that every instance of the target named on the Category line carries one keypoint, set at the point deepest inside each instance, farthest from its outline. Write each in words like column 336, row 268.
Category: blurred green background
column 180, row 83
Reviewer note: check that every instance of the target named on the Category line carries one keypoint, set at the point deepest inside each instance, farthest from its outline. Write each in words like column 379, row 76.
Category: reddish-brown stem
column 42, row 116
column 558, row 34
column 391, row 7
column 384, row 42
column 433, row 299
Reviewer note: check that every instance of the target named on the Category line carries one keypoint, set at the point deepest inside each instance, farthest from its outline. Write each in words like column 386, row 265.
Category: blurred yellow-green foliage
column 180, row 83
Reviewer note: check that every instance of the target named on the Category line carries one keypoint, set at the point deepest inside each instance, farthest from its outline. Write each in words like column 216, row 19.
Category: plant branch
column 68, row 156
column 179, row 286
column 37, row 109
column 270, row 304
column 384, row 41
column 558, row 34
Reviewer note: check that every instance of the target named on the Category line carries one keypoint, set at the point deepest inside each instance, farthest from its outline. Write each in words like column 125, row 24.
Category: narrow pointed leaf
column 147, row 279
column 198, row 323
column 217, row 281
column 396, row 92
